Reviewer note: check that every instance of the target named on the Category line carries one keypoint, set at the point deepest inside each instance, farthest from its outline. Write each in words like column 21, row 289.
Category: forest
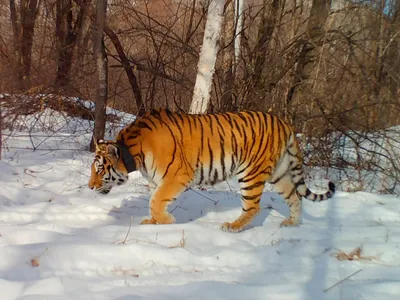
column 329, row 67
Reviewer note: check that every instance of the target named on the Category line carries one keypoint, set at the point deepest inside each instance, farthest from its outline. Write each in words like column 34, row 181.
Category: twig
column 129, row 230
column 182, row 242
column 215, row 202
column 339, row 282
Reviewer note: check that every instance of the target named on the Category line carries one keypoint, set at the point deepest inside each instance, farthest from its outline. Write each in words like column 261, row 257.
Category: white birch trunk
column 208, row 56
column 239, row 22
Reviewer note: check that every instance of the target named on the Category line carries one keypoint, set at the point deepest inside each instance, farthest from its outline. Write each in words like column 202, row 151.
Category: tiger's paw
column 289, row 222
column 164, row 219
column 148, row 221
column 230, row 227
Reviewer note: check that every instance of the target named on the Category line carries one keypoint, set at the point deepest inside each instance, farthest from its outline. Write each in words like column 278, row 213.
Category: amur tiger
column 175, row 151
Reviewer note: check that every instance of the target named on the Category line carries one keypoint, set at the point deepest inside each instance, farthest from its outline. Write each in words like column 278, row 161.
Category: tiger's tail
column 296, row 171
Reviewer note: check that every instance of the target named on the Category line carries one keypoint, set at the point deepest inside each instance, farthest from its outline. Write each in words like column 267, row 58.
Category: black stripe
column 132, row 136
column 228, row 118
column 181, row 118
column 171, row 116
column 173, row 154
column 168, row 200
column 296, row 168
column 216, row 177
column 291, row 154
column 253, row 197
column 143, row 125
column 300, row 182
column 189, row 118
column 243, row 117
column 266, row 171
column 211, row 159
column 201, row 173
column 220, row 127
column 253, row 186
column 210, row 119
column 291, row 193
column 271, row 123
column 222, row 156
column 234, row 152
column 152, row 122
column 195, row 122
column 249, row 209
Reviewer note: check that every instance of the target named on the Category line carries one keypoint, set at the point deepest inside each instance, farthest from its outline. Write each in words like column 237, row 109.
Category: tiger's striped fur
column 175, row 151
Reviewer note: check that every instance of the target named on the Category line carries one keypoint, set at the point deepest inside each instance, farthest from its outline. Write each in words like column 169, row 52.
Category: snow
column 59, row 240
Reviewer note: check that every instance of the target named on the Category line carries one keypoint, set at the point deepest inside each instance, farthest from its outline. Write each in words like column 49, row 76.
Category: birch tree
column 208, row 56
column 239, row 26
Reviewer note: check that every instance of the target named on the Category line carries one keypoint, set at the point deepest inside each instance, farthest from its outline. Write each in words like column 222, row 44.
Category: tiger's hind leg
column 165, row 193
column 251, row 191
column 287, row 189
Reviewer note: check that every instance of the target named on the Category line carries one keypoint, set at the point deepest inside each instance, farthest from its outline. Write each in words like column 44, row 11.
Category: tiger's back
column 175, row 151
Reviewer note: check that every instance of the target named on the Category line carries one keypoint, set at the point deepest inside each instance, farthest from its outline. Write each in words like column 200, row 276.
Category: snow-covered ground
column 60, row 240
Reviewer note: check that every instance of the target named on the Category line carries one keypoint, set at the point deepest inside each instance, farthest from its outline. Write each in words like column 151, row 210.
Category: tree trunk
column 17, row 44
column 265, row 31
column 239, row 27
column 29, row 10
column 102, row 71
column 125, row 63
column 67, row 35
column 128, row 69
column 305, row 64
column 228, row 56
column 208, row 56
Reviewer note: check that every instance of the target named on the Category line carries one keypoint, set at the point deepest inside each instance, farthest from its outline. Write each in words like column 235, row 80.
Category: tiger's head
column 108, row 168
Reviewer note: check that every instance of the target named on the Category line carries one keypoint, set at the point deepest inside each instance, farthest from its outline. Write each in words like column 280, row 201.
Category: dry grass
column 356, row 254
column 180, row 244
column 119, row 271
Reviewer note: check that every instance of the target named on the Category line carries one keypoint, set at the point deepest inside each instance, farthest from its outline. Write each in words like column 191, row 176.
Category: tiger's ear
column 112, row 150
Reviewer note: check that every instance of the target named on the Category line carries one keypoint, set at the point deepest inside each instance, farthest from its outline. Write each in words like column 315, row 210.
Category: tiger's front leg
column 165, row 193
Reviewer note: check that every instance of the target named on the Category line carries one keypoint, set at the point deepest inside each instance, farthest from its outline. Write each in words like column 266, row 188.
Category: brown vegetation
column 327, row 66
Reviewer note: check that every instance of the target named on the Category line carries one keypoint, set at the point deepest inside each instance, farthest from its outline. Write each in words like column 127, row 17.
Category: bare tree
column 28, row 10
column 102, row 71
column 68, row 32
column 124, row 61
column 23, row 35
column 16, row 43
column 228, row 55
column 310, row 50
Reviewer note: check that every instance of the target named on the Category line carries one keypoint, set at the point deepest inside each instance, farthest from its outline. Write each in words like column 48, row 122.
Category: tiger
column 176, row 151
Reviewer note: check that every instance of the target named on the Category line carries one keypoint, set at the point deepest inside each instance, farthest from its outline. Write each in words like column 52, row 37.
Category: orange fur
column 175, row 151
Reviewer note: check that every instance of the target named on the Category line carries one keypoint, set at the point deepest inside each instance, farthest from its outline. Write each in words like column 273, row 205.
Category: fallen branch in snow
column 339, row 282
